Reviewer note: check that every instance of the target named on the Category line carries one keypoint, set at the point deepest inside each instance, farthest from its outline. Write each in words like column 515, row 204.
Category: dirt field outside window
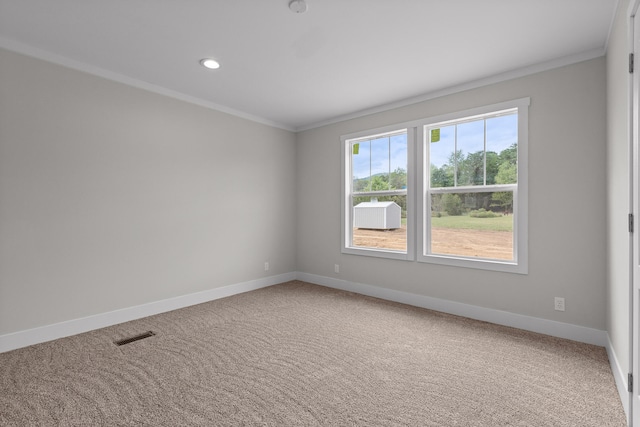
column 446, row 241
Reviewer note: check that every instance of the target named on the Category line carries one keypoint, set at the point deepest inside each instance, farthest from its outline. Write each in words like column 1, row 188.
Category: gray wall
column 567, row 198
column 618, row 206
column 111, row 196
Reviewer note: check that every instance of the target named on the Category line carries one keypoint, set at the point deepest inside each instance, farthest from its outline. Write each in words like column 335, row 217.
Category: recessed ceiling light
column 298, row 6
column 210, row 63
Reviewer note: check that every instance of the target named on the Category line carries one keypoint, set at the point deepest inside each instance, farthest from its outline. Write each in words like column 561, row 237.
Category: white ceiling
column 340, row 59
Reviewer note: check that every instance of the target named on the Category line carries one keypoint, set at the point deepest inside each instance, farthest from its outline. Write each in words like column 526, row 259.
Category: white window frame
column 346, row 206
column 418, row 209
column 520, row 194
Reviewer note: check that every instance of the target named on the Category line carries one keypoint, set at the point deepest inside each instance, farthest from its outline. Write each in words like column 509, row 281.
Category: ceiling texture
column 339, row 59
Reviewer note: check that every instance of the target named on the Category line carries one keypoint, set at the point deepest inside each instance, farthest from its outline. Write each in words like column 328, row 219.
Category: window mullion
column 455, row 156
column 370, row 171
column 389, row 162
column 484, row 166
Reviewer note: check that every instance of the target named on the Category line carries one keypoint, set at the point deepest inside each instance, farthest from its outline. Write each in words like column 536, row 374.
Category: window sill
column 378, row 253
column 480, row 263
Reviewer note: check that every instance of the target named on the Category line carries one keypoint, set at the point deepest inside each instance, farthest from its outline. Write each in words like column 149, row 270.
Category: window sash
column 474, row 189
column 427, row 249
column 380, row 193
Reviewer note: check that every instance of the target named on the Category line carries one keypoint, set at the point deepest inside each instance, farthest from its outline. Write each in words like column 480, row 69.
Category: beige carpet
column 298, row 354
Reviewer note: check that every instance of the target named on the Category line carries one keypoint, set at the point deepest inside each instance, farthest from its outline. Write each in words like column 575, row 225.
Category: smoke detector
column 298, row 6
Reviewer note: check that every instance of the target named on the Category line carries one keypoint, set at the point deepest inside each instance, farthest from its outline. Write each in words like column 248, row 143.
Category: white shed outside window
column 377, row 215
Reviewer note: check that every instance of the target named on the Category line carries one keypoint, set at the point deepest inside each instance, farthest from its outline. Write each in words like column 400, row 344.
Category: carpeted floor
column 298, row 354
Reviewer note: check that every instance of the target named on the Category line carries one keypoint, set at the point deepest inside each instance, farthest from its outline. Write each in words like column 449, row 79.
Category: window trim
column 347, row 214
column 520, row 193
column 416, row 192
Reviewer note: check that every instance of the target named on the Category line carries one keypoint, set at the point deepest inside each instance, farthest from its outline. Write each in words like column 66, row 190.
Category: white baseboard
column 620, row 378
column 527, row 323
column 76, row 326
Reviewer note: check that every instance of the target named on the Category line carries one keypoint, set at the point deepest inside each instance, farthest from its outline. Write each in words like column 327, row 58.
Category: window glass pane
column 441, row 155
column 502, row 143
column 398, row 162
column 380, row 222
column 473, row 225
column 380, row 164
column 470, row 153
column 361, row 165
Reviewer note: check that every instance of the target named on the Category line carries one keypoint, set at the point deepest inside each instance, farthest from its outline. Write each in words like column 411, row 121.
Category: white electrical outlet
column 266, row 266
column 559, row 304
column 336, row 268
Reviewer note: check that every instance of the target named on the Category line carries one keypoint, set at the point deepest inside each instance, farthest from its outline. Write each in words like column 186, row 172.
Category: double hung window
column 473, row 206
column 376, row 193
column 448, row 190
